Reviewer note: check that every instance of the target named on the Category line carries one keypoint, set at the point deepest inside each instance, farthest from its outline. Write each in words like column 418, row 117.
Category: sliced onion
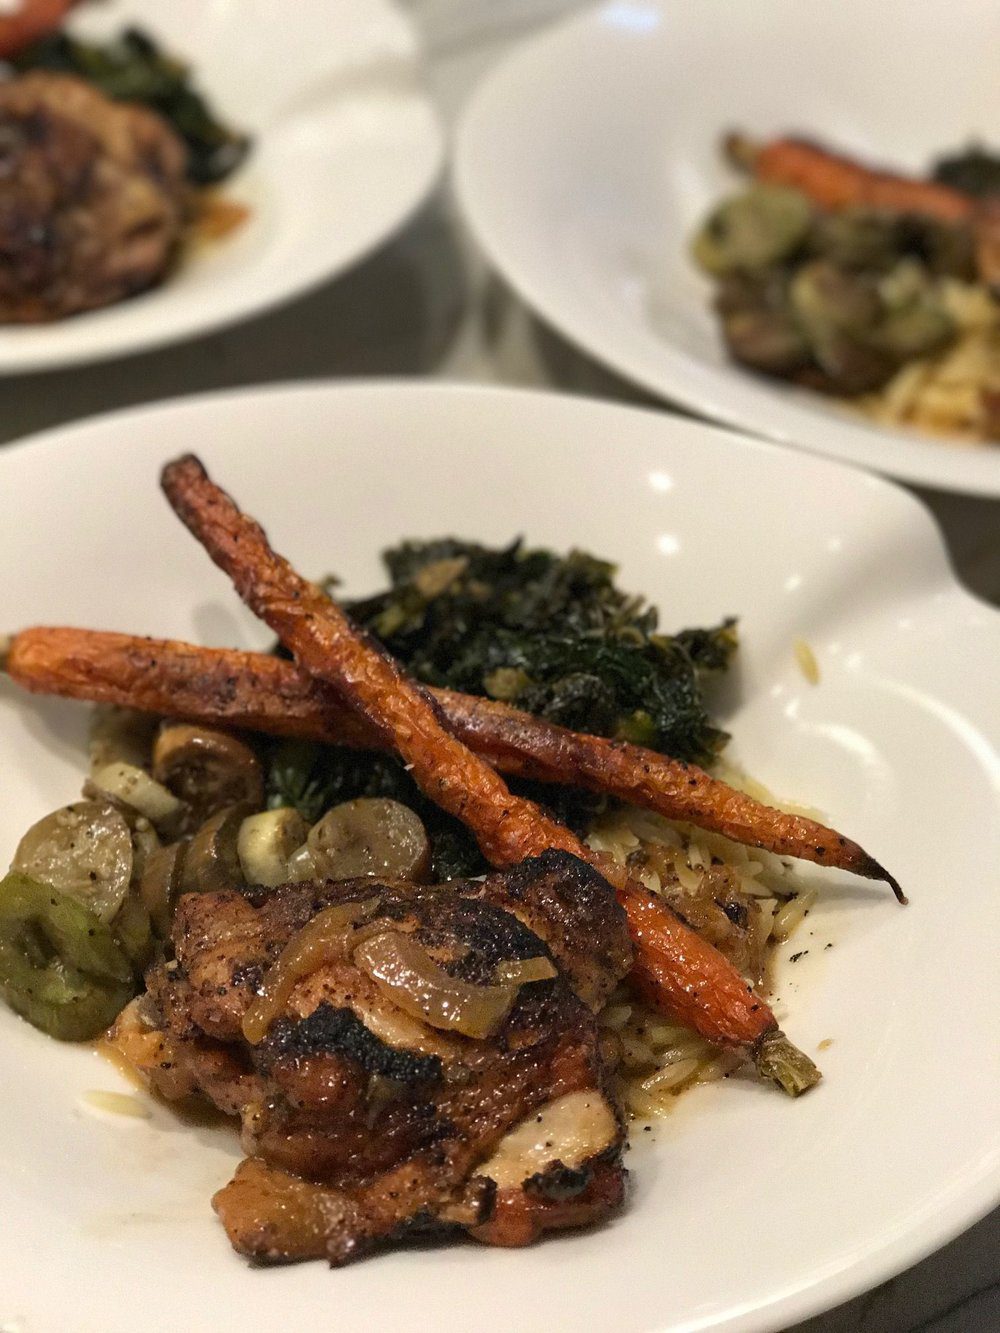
column 135, row 788
column 405, row 971
column 325, row 939
column 519, row 971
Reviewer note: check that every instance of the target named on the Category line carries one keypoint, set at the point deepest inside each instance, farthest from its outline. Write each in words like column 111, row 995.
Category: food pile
column 105, row 153
column 401, row 932
column 865, row 285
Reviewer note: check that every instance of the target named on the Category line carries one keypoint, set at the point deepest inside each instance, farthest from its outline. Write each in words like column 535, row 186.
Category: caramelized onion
column 326, row 938
column 519, row 971
column 405, row 971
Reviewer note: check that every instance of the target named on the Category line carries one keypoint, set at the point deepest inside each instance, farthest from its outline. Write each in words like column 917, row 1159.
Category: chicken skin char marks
column 93, row 198
column 366, row 1124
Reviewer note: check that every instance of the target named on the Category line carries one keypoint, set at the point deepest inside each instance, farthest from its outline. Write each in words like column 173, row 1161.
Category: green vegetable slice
column 60, row 967
column 83, row 850
column 764, row 225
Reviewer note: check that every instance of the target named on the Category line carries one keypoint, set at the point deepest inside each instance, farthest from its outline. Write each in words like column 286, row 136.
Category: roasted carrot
column 257, row 692
column 679, row 971
column 833, row 181
column 32, row 20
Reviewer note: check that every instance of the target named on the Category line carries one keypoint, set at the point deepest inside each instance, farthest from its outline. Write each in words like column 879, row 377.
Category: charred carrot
column 257, row 692
column 835, row 181
column 685, row 975
column 32, row 20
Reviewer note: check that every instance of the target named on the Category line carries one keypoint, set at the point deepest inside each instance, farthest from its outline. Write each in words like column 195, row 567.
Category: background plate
column 585, row 160
column 748, row 1211
column 346, row 145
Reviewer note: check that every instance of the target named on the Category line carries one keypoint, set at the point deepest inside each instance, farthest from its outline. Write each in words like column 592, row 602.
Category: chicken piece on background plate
column 93, row 198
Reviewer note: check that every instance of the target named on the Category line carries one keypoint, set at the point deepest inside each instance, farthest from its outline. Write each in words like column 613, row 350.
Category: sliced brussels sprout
column 372, row 835
column 824, row 297
column 923, row 327
column 915, row 321
column 760, row 227
column 266, row 841
column 60, row 967
column 840, row 315
column 83, row 850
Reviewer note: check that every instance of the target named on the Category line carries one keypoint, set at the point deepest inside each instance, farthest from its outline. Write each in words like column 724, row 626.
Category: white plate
column 346, row 145
column 748, row 1211
column 585, row 159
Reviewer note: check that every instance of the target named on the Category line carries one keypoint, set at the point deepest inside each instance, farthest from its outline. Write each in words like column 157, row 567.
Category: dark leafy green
column 133, row 68
column 553, row 635
column 974, row 171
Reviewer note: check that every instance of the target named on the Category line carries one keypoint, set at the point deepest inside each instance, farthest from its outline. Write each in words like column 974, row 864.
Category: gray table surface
column 427, row 305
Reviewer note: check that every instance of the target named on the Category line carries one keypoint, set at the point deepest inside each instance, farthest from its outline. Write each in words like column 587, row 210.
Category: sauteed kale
column 552, row 635
column 975, row 171
column 133, row 68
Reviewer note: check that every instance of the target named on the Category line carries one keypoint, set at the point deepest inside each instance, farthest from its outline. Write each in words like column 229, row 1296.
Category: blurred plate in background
column 345, row 146
column 587, row 157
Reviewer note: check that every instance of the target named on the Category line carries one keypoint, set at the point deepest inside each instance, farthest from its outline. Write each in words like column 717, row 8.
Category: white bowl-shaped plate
column 346, row 145
column 747, row 1210
column 586, row 159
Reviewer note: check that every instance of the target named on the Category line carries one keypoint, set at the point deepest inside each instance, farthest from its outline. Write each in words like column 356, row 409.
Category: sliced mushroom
column 211, row 861
column 372, row 835
column 160, row 885
column 208, row 770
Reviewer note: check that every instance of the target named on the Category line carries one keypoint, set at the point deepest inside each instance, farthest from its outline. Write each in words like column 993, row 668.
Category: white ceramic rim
column 729, row 396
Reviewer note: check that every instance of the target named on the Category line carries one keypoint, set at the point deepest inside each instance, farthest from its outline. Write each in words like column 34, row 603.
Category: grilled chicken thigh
column 403, row 1058
column 92, row 197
